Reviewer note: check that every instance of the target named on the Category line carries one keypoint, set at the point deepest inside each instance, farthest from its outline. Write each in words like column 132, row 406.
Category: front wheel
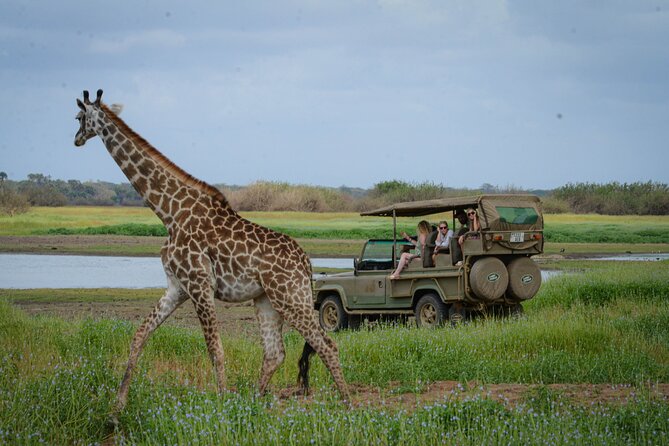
column 430, row 311
column 331, row 314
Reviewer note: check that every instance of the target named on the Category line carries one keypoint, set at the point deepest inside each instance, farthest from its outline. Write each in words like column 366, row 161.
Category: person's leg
column 404, row 259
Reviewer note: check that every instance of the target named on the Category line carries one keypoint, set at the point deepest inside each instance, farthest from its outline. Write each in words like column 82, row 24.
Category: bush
column 552, row 205
column 275, row 196
column 12, row 202
column 616, row 198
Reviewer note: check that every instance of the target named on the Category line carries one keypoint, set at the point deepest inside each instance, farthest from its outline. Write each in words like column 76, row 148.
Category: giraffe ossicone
column 213, row 253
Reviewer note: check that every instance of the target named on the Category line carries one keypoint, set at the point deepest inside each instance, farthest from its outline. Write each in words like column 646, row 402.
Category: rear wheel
column 331, row 314
column 430, row 311
column 517, row 311
column 456, row 314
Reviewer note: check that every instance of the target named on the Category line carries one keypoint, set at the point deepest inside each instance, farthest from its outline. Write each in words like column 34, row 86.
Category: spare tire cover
column 524, row 278
column 489, row 278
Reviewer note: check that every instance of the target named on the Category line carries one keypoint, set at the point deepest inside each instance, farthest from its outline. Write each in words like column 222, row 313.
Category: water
column 636, row 257
column 21, row 271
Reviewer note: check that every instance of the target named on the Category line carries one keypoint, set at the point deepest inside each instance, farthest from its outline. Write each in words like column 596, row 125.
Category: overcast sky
column 526, row 93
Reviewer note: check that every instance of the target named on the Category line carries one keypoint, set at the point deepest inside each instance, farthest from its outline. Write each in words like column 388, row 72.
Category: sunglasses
column 443, row 227
column 471, row 213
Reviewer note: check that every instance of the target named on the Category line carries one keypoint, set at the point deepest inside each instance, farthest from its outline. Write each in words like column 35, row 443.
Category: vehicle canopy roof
column 496, row 212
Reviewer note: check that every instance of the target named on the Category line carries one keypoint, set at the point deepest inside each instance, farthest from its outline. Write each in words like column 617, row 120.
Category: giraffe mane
column 162, row 160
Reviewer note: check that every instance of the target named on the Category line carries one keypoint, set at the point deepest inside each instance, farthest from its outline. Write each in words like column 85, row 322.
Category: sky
column 529, row 94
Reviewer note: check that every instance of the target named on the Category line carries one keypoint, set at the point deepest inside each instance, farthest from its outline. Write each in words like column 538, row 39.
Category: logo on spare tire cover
column 493, row 277
column 527, row 278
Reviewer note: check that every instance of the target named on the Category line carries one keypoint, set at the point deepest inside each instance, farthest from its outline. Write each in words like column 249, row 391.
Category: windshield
column 517, row 215
column 382, row 250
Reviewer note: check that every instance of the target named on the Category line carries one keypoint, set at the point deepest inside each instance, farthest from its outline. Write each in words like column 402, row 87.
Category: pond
column 635, row 257
column 22, row 271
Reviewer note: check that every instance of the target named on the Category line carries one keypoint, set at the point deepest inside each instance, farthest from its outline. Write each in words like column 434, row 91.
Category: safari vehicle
column 495, row 276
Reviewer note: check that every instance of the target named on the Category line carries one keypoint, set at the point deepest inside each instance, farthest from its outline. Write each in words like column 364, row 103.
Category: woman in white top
column 443, row 242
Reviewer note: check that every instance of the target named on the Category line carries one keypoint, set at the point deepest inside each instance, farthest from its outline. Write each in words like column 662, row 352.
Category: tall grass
column 58, row 379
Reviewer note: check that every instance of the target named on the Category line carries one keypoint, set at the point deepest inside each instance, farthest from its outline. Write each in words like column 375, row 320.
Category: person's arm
column 449, row 235
column 406, row 237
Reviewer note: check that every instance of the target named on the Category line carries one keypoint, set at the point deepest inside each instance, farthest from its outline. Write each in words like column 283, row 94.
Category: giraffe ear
column 116, row 108
column 81, row 105
column 98, row 97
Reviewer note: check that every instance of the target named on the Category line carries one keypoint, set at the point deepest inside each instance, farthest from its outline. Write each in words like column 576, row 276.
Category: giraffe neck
column 168, row 190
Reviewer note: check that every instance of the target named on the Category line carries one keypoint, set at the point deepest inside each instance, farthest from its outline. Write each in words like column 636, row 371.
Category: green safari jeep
column 492, row 273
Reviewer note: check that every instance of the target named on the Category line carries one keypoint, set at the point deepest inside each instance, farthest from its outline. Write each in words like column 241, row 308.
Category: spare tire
column 524, row 278
column 489, row 278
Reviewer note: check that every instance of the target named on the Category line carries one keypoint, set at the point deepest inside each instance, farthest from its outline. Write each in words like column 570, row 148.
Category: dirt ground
column 82, row 244
column 240, row 320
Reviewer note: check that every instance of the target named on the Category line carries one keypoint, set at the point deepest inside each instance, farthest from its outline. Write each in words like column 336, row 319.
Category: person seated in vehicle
column 424, row 230
column 443, row 241
column 473, row 231
column 430, row 243
column 461, row 216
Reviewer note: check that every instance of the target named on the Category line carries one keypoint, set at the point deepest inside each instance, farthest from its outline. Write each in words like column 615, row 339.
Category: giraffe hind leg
column 299, row 313
column 271, row 323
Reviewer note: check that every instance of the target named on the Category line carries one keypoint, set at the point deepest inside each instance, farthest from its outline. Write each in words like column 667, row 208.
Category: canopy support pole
column 394, row 240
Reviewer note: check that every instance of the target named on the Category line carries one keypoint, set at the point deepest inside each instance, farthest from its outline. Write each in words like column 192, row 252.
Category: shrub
column 12, row 202
column 616, row 198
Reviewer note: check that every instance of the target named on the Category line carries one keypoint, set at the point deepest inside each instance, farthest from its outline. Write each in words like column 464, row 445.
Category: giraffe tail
column 303, row 376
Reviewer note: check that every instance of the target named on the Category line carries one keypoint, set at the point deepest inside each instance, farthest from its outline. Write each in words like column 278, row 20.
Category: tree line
column 615, row 198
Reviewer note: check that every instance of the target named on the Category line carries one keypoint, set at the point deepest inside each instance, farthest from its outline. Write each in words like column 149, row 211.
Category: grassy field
column 600, row 323
column 321, row 234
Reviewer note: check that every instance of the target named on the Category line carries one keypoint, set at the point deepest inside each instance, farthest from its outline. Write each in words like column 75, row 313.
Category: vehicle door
column 371, row 279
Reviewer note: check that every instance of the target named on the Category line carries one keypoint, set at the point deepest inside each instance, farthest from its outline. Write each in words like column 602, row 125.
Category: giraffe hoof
column 112, row 424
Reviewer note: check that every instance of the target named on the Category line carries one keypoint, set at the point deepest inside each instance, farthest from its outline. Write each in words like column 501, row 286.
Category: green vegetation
column 615, row 198
column 650, row 198
column 605, row 325
column 328, row 234
column 563, row 228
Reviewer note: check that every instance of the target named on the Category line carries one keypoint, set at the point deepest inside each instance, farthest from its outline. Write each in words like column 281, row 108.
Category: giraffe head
column 89, row 118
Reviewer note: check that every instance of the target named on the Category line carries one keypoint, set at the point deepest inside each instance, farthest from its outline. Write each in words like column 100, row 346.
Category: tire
column 456, row 315
column 331, row 314
column 489, row 278
column 517, row 312
column 524, row 278
column 430, row 312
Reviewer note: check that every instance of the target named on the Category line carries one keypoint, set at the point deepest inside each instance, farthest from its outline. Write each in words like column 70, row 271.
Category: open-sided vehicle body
column 496, row 272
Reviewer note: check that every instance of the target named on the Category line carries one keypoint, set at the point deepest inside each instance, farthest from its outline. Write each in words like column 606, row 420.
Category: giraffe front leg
column 270, row 323
column 172, row 298
column 206, row 313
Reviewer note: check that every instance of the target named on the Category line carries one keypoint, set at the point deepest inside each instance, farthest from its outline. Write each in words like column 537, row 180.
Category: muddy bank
column 112, row 245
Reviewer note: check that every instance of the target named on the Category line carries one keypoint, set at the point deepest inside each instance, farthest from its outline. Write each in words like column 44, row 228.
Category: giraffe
column 213, row 253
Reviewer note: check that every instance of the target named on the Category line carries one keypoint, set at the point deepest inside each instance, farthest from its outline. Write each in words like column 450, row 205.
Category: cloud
column 147, row 39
